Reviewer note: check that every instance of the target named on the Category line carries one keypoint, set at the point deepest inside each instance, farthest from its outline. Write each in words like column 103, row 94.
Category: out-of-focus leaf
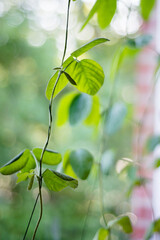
column 124, row 222
column 146, row 8
column 88, row 46
column 117, row 61
column 16, row 164
column 102, row 234
column 136, row 183
column 81, row 161
column 50, row 157
column 106, row 11
column 91, row 13
column 31, row 182
column 22, row 176
column 94, row 116
column 56, row 181
column 67, row 166
column 80, row 108
column 62, row 81
column 88, row 75
column 157, row 163
column 140, row 41
column 154, row 228
column 157, row 69
column 63, row 108
column 107, row 161
column 153, row 142
column 115, row 118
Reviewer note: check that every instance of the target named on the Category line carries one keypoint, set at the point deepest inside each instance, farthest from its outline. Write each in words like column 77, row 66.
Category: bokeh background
column 31, row 45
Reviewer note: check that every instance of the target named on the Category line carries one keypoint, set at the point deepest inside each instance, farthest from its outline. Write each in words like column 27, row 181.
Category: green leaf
column 56, row 181
column 154, row 228
column 63, row 108
column 22, row 176
column 91, row 13
column 31, row 182
column 140, row 41
column 81, row 161
column 153, row 142
column 107, row 161
column 106, row 11
column 117, row 61
column 88, row 75
column 146, row 8
column 94, row 116
column 67, row 166
column 31, row 164
column 16, row 164
column 50, row 157
column 102, row 234
column 124, row 222
column 70, row 79
column 136, row 183
column 157, row 163
column 80, row 108
column 62, row 80
column 88, row 46
column 115, row 118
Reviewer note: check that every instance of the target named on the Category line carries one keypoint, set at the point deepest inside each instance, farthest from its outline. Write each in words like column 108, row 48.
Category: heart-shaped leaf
column 81, row 161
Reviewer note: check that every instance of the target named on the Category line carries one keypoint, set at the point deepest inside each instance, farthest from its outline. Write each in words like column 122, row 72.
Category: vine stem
column 48, row 136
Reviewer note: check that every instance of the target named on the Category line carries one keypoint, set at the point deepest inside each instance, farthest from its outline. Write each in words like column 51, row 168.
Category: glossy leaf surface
column 16, row 164
column 56, row 181
column 81, row 161
column 50, row 157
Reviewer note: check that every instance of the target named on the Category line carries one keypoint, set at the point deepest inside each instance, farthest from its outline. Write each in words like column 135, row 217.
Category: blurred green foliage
column 29, row 50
